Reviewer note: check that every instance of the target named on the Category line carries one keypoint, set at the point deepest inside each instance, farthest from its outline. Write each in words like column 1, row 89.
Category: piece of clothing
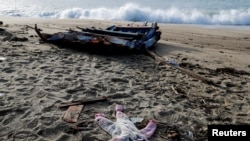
column 124, row 129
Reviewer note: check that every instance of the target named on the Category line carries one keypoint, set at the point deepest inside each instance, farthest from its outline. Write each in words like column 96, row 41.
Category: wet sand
column 36, row 77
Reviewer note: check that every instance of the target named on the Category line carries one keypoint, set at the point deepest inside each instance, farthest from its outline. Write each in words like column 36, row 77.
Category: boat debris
column 112, row 39
column 72, row 113
column 75, row 108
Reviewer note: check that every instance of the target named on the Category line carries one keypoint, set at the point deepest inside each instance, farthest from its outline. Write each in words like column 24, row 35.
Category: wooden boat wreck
column 112, row 39
column 118, row 39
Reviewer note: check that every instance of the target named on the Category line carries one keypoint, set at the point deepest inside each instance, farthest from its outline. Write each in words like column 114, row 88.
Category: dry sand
column 36, row 77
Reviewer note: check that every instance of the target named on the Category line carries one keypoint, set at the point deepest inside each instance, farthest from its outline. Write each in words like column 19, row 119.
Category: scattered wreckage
column 116, row 39
column 112, row 39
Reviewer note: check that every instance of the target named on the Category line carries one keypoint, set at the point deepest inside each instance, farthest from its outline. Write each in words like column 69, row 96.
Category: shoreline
column 206, row 26
column 36, row 77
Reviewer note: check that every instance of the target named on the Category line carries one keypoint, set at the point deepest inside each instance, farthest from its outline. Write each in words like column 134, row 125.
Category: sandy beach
column 36, row 77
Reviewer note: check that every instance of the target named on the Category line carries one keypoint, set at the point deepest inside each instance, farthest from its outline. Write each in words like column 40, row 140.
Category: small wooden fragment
column 39, row 33
column 72, row 114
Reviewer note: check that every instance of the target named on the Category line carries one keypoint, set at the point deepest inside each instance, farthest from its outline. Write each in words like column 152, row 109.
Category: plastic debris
column 124, row 125
column 172, row 62
column 190, row 135
column 2, row 58
column 136, row 120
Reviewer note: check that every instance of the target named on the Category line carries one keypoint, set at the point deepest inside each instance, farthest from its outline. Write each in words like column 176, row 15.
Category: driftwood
column 81, row 102
column 188, row 72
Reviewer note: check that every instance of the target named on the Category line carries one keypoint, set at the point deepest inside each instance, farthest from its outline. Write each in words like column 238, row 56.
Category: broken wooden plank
column 101, row 35
column 72, row 114
column 188, row 72
column 83, row 101
column 39, row 33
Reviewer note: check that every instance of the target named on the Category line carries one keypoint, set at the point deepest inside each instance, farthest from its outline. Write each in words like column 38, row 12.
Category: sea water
column 203, row 12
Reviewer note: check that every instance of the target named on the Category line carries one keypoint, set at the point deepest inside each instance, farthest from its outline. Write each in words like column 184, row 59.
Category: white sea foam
column 135, row 12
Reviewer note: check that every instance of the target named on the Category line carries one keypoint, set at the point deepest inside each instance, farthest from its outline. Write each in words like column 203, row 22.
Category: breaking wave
column 134, row 12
